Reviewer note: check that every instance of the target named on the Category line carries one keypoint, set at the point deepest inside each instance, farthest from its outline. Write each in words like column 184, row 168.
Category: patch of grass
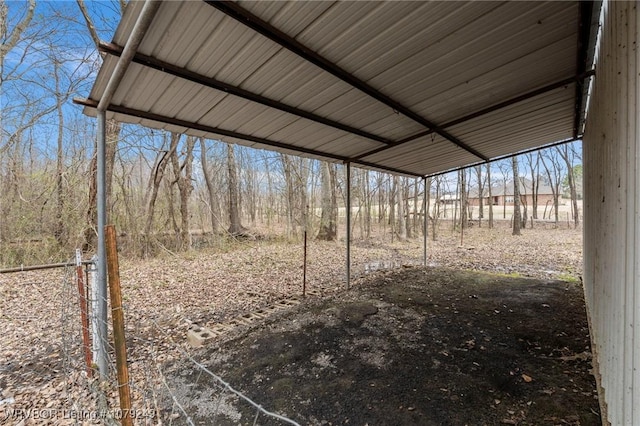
column 510, row 274
column 565, row 276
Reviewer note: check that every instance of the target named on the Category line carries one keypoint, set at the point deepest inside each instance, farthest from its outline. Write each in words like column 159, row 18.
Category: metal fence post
column 84, row 319
column 92, row 282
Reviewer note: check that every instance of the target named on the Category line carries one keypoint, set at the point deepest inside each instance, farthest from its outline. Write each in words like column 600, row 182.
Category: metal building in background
column 414, row 88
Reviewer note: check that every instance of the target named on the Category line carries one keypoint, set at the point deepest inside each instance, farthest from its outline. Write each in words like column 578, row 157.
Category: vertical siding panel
column 631, row 111
column 634, row 169
column 619, row 260
column 612, row 215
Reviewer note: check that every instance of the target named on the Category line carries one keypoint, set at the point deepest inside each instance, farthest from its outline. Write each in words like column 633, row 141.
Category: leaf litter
column 165, row 296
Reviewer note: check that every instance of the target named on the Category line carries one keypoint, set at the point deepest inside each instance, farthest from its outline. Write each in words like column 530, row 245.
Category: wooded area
column 171, row 192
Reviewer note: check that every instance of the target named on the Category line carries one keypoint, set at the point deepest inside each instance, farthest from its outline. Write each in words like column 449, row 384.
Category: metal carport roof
column 409, row 87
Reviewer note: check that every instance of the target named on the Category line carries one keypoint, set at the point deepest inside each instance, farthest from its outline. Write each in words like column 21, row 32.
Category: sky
column 55, row 56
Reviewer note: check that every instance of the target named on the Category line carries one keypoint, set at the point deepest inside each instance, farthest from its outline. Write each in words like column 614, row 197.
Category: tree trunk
column 436, row 209
column 60, row 229
column 302, row 190
column 524, row 203
column 214, row 212
column 112, row 132
column 463, row 203
column 183, row 178
column 400, row 227
column 287, row 168
column 367, row 195
column 480, row 195
column 415, row 207
column 381, row 198
column 554, row 180
column 10, row 40
column 407, row 209
column 235, row 227
column 535, row 183
column 490, row 196
column 517, row 220
column 328, row 214
column 155, row 181
column 425, row 211
column 564, row 153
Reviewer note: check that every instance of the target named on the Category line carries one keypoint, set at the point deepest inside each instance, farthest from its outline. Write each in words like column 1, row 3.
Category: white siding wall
column 612, row 214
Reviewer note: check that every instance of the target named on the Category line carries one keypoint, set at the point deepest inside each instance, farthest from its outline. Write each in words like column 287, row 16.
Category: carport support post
column 140, row 27
column 101, row 313
column 426, row 221
column 348, row 211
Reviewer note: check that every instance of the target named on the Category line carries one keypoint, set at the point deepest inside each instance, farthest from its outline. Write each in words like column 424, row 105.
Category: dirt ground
column 409, row 346
column 413, row 346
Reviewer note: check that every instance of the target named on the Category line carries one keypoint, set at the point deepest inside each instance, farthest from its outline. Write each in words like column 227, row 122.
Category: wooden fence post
column 117, row 315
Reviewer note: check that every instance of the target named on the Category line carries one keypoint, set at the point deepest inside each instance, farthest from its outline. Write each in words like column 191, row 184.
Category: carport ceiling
column 409, row 87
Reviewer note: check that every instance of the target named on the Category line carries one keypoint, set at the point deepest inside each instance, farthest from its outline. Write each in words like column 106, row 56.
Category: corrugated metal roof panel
column 431, row 153
column 548, row 117
column 441, row 60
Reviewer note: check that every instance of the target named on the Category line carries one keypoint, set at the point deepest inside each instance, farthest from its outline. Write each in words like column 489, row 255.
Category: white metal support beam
column 348, row 211
column 140, row 28
column 101, row 291
column 426, row 221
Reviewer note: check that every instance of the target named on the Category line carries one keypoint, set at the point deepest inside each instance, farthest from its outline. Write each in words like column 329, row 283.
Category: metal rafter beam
column 252, row 21
column 156, row 64
column 577, row 79
column 223, row 132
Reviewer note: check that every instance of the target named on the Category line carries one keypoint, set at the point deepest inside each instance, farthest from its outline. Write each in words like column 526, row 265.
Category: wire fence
column 46, row 378
column 48, row 338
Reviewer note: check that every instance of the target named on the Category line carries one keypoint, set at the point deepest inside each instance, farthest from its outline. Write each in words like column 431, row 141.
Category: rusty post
column 117, row 315
column 86, row 345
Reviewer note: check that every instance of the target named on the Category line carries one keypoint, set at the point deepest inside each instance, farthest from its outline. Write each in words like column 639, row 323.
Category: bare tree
column 214, row 210
column 435, row 214
column 368, row 202
column 10, row 38
column 328, row 203
column 478, row 170
column 553, row 169
column 406, row 187
column 462, row 176
column 155, row 180
column 489, row 186
column 183, row 179
column 235, row 226
column 401, row 228
column 524, row 201
column 567, row 155
column 533, row 161
column 517, row 220
column 504, row 168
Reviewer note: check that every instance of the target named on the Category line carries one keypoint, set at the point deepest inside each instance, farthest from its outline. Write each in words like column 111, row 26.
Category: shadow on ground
column 411, row 346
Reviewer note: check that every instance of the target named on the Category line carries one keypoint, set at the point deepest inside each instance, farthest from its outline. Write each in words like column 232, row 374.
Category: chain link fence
column 48, row 371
